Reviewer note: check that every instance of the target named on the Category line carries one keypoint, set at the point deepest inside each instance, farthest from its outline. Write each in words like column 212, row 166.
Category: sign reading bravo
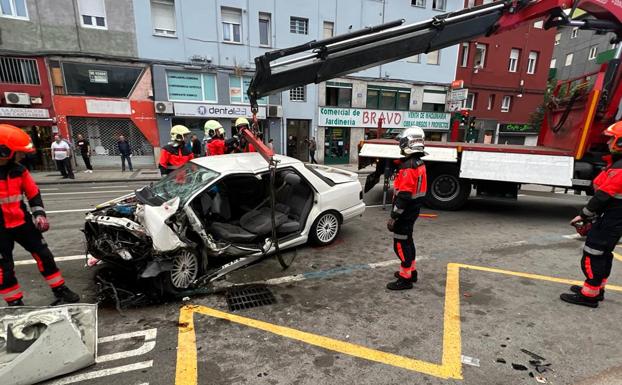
column 351, row 117
column 216, row 111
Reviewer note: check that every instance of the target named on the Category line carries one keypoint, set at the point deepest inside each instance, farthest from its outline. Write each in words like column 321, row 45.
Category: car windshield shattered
column 183, row 182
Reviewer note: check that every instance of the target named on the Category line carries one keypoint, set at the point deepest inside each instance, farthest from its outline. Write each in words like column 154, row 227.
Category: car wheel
column 446, row 191
column 185, row 270
column 325, row 228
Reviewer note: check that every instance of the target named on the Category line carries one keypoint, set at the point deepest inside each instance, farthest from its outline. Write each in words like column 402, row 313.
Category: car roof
column 248, row 162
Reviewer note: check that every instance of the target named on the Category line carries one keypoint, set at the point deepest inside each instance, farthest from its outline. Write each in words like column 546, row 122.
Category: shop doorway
column 297, row 132
column 42, row 138
column 337, row 145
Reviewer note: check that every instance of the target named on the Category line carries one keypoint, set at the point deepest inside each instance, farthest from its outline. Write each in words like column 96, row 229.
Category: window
column 297, row 94
column 387, row 98
column 514, row 55
column 18, row 71
column 231, row 25
column 464, row 59
column 163, row 17
column 264, row 29
column 568, row 60
column 574, row 33
column 505, row 105
column 553, row 63
column 538, row 24
column 92, row 13
column 299, row 25
column 91, row 79
column 414, row 59
column 558, row 38
column 491, row 102
column 338, row 94
column 593, row 52
column 432, row 57
column 480, row 55
column 329, row 29
column 532, row 62
column 469, row 102
column 418, row 3
column 439, row 5
column 14, row 9
column 238, row 90
column 191, row 86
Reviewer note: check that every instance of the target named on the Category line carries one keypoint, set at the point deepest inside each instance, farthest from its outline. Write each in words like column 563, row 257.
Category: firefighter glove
column 41, row 223
column 390, row 224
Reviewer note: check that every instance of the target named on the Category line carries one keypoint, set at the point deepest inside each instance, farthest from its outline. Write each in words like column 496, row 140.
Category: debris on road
column 501, row 361
column 64, row 337
column 518, row 367
column 541, row 380
column 470, row 361
column 533, row 355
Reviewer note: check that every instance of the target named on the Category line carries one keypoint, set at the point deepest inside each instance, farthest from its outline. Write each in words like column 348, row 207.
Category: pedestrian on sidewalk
column 271, row 144
column 196, row 146
column 312, row 147
column 125, row 150
column 85, row 151
column 61, row 153
column 17, row 224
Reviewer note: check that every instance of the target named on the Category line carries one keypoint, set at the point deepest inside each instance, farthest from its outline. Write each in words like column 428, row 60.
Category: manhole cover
column 246, row 297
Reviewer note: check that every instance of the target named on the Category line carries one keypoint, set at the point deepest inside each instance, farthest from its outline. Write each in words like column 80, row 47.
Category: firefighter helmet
column 178, row 132
column 615, row 132
column 12, row 140
column 212, row 125
column 411, row 141
column 242, row 122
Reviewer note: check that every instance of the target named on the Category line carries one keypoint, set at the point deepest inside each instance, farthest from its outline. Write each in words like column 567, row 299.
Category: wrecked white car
column 215, row 215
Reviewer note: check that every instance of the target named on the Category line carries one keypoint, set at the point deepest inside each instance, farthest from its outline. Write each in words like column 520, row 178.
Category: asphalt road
column 334, row 322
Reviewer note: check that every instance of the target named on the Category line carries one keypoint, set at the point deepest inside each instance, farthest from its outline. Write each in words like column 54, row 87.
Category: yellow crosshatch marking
column 449, row 368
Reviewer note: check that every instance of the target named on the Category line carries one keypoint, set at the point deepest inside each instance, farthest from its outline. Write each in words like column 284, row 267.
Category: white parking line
column 49, row 189
column 56, row 259
column 109, row 186
column 88, row 192
column 103, row 373
column 68, row 211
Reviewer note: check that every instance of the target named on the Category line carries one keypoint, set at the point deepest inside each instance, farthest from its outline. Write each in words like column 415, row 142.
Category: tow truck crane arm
column 318, row 61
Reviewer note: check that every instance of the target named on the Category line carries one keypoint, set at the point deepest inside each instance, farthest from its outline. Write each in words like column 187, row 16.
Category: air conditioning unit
column 275, row 111
column 17, row 98
column 164, row 107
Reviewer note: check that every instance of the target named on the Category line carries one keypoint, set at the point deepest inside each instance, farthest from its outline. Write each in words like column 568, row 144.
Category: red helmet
column 12, row 140
column 615, row 131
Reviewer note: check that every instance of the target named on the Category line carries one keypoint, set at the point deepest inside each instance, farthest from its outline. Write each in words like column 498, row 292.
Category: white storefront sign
column 98, row 76
column 111, row 107
column 36, row 113
column 352, row 117
column 216, row 111
column 459, row 95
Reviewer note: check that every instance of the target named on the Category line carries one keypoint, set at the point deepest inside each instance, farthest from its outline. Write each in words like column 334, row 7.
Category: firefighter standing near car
column 245, row 146
column 409, row 192
column 17, row 224
column 176, row 153
column 216, row 145
column 604, row 209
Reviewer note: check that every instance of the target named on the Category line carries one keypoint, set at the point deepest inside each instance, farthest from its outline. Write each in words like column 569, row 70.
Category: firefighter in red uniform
column 410, row 188
column 216, row 146
column 175, row 154
column 245, row 146
column 17, row 224
column 604, row 209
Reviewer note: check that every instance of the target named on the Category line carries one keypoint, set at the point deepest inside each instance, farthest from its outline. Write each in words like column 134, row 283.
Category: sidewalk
column 98, row 176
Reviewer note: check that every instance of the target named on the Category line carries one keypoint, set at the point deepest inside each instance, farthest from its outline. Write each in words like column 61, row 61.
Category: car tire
column 446, row 191
column 186, row 268
column 325, row 228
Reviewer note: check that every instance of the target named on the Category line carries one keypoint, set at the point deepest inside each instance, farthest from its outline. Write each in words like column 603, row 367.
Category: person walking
column 196, row 146
column 312, row 147
column 125, row 150
column 21, row 225
column 61, row 153
column 85, row 151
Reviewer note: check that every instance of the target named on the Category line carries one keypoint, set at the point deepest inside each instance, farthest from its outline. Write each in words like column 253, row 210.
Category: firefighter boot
column 577, row 289
column 400, row 284
column 64, row 295
column 413, row 276
column 579, row 299
column 17, row 302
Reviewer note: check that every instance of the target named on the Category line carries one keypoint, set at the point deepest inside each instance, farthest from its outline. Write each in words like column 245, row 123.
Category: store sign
column 517, row 128
column 35, row 113
column 458, row 95
column 351, row 117
column 109, row 107
column 216, row 111
column 98, row 76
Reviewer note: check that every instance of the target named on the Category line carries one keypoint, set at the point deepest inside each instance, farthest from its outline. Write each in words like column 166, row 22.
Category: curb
column 64, row 181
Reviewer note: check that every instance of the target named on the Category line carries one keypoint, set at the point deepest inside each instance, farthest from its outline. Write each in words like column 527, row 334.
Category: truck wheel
column 446, row 191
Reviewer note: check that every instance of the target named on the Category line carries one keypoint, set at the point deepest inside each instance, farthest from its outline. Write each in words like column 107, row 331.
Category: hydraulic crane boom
column 318, row 61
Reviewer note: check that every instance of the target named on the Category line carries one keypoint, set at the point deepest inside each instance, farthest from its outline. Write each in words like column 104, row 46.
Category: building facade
column 205, row 67
column 70, row 67
column 506, row 77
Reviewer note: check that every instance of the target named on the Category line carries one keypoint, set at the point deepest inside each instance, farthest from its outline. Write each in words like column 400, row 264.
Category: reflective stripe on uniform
column 11, row 199
column 587, row 212
column 405, row 272
column 588, row 268
column 55, row 280
column 397, row 210
column 35, row 209
column 589, row 290
column 400, row 236
column 592, row 251
column 418, row 195
column 12, row 293
column 602, row 285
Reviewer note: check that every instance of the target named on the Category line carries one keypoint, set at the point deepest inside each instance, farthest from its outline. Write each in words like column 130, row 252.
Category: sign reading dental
column 216, row 111
column 351, row 117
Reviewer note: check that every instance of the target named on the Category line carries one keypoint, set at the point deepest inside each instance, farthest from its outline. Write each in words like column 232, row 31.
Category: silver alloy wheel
column 445, row 188
column 327, row 227
column 185, row 270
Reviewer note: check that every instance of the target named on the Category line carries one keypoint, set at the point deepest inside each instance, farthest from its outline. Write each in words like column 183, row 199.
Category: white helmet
column 412, row 141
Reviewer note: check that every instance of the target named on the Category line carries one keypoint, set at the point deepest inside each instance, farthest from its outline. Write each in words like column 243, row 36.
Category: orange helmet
column 12, row 140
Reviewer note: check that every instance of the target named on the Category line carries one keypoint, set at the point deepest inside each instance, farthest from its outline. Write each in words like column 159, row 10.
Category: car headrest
column 292, row 179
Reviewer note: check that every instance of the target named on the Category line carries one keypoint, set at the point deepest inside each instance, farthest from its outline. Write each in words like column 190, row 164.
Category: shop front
column 194, row 116
column 517, row 134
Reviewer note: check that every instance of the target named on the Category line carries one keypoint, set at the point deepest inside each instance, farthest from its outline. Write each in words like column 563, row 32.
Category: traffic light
column 472, row 122
column 465, row 117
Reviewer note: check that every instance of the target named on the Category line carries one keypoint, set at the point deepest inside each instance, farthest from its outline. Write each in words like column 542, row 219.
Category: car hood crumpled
column 153, row 218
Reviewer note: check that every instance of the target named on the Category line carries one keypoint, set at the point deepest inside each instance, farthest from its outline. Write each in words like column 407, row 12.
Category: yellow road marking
column 618, row 257
column 450, row 367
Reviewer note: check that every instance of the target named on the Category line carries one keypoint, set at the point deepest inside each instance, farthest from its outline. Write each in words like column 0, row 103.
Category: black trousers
column 30, row 239
column 312, row 155
column 64, row 166
column 403, row 241
column 129, row 162
column 87, row 161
